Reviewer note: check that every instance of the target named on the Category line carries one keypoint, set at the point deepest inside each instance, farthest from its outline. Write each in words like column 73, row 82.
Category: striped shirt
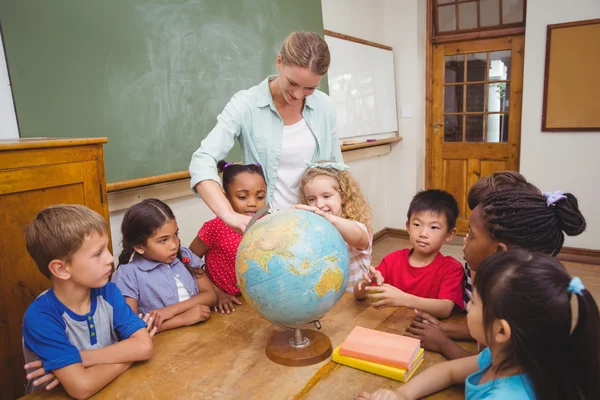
column 467, row 285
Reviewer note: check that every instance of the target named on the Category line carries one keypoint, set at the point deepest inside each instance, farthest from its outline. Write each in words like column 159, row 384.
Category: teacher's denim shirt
column 252, row 119
column 152, row 283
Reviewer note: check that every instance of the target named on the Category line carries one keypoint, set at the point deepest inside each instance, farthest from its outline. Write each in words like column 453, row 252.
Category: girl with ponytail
column 156, row 275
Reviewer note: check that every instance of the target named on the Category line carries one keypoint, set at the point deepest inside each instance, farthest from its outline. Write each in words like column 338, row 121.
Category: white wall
column 360, row 18
column 405, row 31
column 8, row 120
column 564, row 161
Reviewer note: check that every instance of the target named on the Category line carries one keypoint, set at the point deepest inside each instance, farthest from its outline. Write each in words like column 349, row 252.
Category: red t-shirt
column 442, row 279
column 222, row 242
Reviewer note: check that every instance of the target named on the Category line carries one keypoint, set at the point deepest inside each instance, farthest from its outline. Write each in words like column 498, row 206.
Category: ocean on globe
column 292, row 266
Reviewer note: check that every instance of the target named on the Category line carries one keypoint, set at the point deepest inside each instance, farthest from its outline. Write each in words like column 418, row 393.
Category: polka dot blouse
column 222, row 243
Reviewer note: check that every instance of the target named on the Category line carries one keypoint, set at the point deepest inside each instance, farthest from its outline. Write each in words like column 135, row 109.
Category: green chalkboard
column 150, row 75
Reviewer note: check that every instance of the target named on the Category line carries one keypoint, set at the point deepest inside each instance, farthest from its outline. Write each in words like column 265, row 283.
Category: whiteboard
column 361, row 82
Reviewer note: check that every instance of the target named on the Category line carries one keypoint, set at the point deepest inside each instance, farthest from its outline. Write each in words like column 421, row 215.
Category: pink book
column 380, row 347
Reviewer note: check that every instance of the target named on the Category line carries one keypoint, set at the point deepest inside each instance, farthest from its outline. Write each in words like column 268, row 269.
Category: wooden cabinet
column 36, row 173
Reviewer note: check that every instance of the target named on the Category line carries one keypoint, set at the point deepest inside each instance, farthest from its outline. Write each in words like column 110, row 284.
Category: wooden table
column 224, row 358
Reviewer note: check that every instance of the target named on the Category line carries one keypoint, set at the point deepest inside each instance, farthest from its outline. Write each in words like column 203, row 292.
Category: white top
column 298, row 146
column 360, row 260
column 182, row 292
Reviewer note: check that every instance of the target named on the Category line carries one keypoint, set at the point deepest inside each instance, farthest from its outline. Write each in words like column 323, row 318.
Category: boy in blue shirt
column 81, row 328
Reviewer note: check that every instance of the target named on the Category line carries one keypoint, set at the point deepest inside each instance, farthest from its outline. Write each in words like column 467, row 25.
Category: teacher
column 280, row 123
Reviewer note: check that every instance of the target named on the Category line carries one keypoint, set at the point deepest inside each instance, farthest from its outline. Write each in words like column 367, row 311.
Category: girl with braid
column 507, row 219
column 160, row 279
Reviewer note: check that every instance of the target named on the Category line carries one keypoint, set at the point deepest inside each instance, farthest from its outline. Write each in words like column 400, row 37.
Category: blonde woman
column 279, row 124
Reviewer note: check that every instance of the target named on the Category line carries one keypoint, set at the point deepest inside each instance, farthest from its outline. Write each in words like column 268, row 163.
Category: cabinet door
column 23, row 192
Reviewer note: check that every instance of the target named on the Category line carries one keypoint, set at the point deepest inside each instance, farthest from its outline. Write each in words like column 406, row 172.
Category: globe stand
column 298, row 348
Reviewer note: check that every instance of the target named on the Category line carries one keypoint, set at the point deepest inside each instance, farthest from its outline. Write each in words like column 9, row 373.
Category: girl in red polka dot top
column 246, row 189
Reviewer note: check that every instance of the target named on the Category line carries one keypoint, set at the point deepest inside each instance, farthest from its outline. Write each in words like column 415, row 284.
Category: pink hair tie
column 227, row 165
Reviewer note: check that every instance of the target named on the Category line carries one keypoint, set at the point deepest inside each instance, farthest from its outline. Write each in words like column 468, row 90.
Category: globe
column 292, row 267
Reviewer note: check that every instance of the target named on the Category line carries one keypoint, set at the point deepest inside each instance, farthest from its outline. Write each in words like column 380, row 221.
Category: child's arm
column 432, row 380
column 434, row 339
column 82, row 383
column 224, row 301
column 189, row 312
column 352, row 233
column 457, row 331
column 180, row 314
column 198, row 247
column 360, row 291
column 390, row 296
column 137, row 347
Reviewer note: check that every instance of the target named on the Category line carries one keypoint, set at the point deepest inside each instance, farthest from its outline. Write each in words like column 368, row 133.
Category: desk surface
column 224, row 358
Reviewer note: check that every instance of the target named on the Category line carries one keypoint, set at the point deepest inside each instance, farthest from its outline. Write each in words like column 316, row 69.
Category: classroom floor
column 589, row 274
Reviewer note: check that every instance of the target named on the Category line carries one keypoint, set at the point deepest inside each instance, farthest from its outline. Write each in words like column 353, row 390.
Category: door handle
column 437, row 125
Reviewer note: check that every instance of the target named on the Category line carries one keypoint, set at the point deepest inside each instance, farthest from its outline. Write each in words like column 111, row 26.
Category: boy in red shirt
column 421, row 277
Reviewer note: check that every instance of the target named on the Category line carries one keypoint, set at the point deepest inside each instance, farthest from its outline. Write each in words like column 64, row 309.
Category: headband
column 328, row 164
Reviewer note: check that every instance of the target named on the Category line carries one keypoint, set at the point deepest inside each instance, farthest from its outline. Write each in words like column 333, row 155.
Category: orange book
column 381, row 347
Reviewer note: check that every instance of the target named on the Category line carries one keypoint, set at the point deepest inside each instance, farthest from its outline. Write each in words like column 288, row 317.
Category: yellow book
column 395, row 373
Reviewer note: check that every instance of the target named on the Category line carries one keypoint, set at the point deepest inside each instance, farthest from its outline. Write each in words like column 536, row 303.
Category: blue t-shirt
column 55, row 334
column 515, row 387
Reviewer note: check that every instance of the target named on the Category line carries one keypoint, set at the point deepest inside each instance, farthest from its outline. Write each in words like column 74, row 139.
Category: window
column 461, row 16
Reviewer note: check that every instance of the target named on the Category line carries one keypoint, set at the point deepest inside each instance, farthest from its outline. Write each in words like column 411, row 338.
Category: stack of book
column 386, row 354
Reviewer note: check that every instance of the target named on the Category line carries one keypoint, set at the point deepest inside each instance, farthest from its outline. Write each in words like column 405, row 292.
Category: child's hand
column 158, row 317
column 430, row 334
column 385, row 296
column 225, row 302
column 381, row 394
column 422, row 316
column 148, row 320
column 198, row 313
column 314, row 209
column 373, row 276
column 41, row 372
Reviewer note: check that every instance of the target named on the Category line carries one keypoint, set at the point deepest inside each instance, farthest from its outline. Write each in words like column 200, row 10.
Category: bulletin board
column 571, row 84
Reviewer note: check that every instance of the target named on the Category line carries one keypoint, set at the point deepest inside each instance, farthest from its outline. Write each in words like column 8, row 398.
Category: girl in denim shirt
column 156, row 275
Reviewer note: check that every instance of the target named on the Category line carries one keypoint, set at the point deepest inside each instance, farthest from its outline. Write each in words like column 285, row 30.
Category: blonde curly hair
column 354, row 204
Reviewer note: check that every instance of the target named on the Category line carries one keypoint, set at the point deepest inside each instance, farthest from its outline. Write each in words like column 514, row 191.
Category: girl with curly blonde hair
column 328, row 189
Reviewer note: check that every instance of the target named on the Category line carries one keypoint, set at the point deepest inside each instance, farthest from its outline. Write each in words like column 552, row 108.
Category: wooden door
column 23, row 192
column 475, row 115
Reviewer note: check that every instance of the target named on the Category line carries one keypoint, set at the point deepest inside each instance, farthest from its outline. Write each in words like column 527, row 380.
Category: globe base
column 281, row 347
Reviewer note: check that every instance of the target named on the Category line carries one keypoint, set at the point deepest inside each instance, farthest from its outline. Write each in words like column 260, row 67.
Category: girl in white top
column 328, row 189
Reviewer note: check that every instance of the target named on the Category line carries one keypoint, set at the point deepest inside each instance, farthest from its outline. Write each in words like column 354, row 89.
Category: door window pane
column 454, row 68
column 447, row 18
column 474, row 128
column 453, row 128
column 476, row 67
column 489, row 13
column 499, row 65
column 445, row 1
column 497, row 128
column 475, row 97
column 453, row 98
column 467, row 15
column 512, row 11
column 498, row 96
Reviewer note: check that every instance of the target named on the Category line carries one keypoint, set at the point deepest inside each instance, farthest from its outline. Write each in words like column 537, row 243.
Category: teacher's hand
column 237, row 222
